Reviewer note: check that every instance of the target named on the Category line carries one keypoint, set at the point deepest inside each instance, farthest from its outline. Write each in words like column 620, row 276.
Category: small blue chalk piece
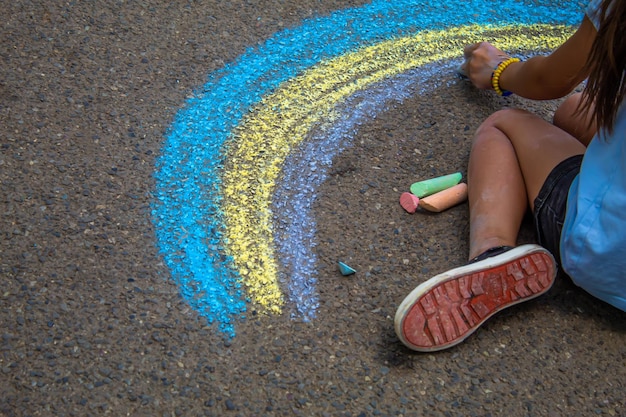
column 345, row 269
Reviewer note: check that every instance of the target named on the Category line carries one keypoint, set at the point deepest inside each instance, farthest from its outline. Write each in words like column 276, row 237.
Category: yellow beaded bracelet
column 495, row 76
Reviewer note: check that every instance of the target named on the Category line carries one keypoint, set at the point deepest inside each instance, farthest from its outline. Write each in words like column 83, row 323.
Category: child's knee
column 564, row 115
column 499, row 120
column 579, row 125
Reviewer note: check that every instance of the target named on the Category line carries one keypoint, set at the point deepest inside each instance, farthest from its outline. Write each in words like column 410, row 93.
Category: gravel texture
column 92, row 325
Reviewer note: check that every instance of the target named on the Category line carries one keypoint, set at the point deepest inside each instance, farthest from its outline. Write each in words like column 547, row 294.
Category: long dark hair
column 606, row 64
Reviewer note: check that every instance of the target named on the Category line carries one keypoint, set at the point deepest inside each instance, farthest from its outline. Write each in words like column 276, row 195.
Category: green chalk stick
column 434, row 185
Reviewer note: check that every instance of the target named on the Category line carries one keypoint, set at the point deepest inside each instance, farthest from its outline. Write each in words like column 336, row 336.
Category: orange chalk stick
column 445, row 199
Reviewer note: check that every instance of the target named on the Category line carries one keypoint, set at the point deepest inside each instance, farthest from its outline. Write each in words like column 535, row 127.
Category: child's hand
column 480, row 60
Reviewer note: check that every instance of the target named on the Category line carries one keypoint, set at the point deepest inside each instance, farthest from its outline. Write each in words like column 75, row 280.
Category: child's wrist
column 497, row 73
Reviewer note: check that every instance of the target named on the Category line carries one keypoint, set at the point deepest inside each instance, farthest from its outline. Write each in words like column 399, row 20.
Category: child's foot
column 446, row 309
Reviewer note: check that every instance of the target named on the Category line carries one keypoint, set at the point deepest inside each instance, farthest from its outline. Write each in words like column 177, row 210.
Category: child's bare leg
column 577, row 125
column 512, row 154
column 497, row 195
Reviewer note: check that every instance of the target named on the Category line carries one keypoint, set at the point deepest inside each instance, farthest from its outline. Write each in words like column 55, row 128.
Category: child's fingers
column 469, row 49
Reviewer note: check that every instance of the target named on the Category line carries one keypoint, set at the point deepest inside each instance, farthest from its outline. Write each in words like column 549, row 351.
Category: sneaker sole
column 446, row 309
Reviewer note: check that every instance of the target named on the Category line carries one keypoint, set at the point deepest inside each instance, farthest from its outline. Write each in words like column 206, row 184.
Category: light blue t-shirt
column 593, row 240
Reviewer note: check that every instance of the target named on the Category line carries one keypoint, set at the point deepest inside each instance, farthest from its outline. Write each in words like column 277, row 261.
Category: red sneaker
column 446, row 309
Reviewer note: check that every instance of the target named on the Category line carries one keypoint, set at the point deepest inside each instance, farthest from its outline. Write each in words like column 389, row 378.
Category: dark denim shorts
column 551, row 203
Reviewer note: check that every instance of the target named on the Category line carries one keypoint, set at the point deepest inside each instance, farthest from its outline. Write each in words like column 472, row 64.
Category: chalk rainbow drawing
column 243, row 158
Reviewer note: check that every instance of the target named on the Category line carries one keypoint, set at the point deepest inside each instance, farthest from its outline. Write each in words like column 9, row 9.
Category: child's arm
column 541, row 77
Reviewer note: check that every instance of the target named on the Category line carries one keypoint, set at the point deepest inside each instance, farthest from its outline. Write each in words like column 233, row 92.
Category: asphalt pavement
column 179, row 180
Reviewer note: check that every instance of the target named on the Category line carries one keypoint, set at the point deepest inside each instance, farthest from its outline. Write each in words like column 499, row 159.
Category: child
column 574, row 185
